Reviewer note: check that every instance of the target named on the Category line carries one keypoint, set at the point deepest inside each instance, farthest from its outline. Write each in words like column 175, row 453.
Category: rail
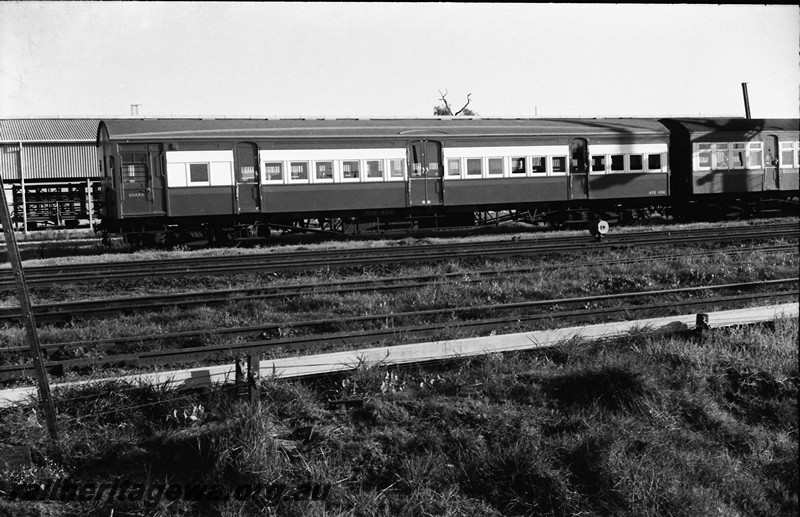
column 70, row 311
column 388, row 329
column 356, row 257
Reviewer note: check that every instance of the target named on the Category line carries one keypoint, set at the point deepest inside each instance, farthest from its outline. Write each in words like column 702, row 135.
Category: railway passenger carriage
column 217, row 175
column 739, row 162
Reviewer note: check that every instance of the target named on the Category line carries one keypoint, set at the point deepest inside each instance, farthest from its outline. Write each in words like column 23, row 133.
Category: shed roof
column 184, row 129
column 49, row 130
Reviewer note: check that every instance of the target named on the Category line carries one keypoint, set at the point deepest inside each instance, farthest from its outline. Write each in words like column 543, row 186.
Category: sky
column 376, row 60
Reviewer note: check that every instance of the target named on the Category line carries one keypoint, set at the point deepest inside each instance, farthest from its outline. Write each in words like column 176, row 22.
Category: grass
column 642, row 426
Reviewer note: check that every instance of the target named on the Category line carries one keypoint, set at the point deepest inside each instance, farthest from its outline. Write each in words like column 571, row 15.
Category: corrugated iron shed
column 50, row 130
column 48, row 149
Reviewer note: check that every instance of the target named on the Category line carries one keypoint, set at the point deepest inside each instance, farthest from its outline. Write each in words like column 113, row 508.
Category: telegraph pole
column 746, row 101
column 27, row 315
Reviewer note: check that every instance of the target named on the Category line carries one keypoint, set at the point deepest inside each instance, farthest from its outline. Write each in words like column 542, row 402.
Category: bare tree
column 444, row 110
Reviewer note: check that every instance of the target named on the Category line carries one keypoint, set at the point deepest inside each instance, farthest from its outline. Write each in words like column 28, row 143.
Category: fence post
column 701, row 325
column 253, row 388
column 27, row 316
column 90, row 202
column 22, row 190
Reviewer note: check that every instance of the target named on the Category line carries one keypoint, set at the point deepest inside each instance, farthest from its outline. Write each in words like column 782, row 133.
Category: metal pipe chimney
column 746, row 101
column 135, row 110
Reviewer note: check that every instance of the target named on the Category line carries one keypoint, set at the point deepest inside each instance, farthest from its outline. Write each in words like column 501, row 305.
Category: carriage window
column 721, row 156
column 454, row 167
column 703, row 156
column 654, row 162
column 299, row 170
column 598, row 163
column 496, row 166
column 787, row 155
column 738, row 155
column 396, row 168
column 755, row 155
column 517, row 165
column 133, row 168
column 134, row 173
column 324, row 170
column 350, row 169
column 559, row 164
column 636, row 162
column 579, row 156
column 617, row 162
column 375, row 168
column 198, row 172
column 247, row 173
column 538, row 164
column 474, row 166
column 273, row 171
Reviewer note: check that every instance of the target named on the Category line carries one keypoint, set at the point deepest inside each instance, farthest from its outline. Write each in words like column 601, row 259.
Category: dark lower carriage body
column 202, row 213
column 711, row 195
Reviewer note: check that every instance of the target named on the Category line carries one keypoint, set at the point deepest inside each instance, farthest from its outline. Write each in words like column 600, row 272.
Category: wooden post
column 239, row 380
column 27, row 316
column 701, row 325
column 89, row 203
column 253, row 367
column 22, row 190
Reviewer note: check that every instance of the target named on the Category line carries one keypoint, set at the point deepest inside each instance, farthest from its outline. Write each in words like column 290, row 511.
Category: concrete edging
column 293, row 367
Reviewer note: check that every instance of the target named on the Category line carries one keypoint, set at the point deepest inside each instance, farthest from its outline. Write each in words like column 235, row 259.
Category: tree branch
column 446, row 106
column 465, row 106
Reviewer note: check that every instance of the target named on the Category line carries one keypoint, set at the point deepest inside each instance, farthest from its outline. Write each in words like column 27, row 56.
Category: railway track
column 69, row 311
column 110, row 353
column 357, row 257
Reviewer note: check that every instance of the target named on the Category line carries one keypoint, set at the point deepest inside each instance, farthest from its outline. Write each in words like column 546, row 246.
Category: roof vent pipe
column 135, row 110
column 746, row 101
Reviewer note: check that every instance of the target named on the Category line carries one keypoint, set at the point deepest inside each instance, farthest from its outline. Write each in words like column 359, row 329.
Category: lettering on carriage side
column 662, row 192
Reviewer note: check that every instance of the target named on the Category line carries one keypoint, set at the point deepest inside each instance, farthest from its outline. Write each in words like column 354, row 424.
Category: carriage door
column 425, row 173
column 771, row 164
column 142, row 178
column 248, row 190
column 578, row 169
column 158, row 191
